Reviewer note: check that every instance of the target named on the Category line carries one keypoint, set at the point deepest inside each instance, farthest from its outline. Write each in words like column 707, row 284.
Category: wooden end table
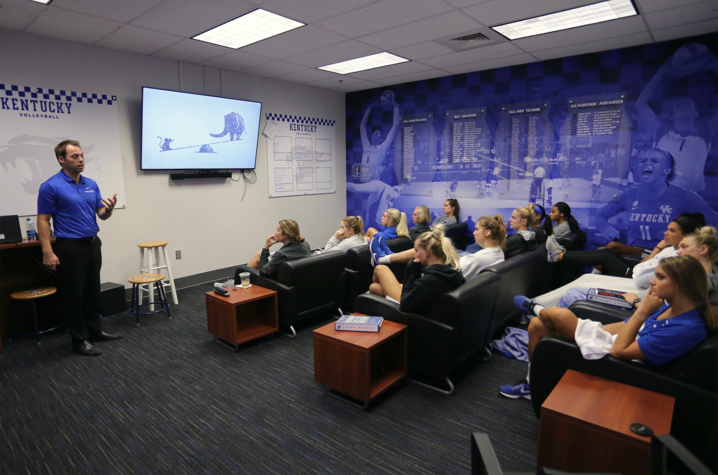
column 245, row 315
column 359, row 364
column 585, row 426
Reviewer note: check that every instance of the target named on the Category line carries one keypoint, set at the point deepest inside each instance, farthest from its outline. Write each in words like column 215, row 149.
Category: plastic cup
column 245, row 279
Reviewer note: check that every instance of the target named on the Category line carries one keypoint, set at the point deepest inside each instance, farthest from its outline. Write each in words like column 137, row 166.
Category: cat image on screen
column 233, row 125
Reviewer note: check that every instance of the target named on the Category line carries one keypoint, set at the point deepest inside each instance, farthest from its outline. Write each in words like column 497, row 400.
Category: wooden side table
column 358, row 364
column 585, row 426
column 245, row 315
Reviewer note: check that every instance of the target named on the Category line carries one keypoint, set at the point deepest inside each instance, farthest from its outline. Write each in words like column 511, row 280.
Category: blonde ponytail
column 356, row 224
column 398, row 219
column 440, row 246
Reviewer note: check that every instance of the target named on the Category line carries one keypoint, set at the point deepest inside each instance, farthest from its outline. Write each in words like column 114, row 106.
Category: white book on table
column 357, row 323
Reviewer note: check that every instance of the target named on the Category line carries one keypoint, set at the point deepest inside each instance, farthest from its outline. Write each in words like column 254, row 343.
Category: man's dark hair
column 61, row 148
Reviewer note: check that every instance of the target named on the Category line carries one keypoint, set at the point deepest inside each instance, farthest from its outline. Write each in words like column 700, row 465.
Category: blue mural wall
column 576, row 129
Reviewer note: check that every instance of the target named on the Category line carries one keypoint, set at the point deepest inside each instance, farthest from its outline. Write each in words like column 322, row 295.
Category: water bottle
column 31, row 233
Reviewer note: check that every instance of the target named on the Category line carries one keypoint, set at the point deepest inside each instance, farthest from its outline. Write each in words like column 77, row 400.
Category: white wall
column 203, row 218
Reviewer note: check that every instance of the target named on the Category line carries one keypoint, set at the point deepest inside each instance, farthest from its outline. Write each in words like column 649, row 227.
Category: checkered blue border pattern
column 300, row 120
column 8, row 90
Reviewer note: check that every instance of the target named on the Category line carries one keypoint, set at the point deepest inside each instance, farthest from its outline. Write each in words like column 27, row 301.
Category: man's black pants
column 79, row 270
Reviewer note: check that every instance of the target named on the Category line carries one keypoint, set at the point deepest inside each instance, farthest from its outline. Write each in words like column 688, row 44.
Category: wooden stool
column 153, row 265
column 32, row 295
column 148, row 279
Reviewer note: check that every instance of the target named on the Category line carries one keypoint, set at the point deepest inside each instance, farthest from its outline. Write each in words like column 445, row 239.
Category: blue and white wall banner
column 575, row 129
column 301, row 157
column 35, row 119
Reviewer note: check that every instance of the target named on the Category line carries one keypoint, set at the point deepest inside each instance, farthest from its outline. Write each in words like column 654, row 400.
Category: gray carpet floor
column 168, row 399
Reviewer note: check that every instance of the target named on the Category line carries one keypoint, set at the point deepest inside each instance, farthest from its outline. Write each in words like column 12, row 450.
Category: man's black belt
column 85, row 239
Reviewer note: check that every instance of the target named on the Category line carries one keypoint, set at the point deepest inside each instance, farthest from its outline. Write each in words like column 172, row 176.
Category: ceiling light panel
column 362, row 64
column 46, row 2
column 587, row 15
column 255, row 26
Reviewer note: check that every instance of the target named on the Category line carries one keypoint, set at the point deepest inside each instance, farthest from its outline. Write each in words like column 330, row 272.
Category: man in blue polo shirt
column 72, row 201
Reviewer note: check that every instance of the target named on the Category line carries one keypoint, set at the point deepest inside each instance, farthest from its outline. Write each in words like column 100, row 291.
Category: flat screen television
column 182, row 131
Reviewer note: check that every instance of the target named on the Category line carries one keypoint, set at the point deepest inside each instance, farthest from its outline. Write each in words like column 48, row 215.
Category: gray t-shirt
column 562, row 230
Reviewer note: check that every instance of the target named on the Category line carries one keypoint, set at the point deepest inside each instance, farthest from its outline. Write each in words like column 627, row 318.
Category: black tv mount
column 200, row 174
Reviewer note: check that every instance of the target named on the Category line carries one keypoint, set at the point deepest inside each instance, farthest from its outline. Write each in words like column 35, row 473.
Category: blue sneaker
column 520, row 389
column 554, row 249
column 525, row 305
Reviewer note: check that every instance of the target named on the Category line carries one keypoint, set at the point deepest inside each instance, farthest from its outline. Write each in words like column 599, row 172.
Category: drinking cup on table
column 245, row 279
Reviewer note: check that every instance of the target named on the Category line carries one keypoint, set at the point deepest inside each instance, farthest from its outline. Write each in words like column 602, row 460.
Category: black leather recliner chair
column 458, row 234
column 456, row 328
column 691, row 379
column 523, row 274
column 306, row 287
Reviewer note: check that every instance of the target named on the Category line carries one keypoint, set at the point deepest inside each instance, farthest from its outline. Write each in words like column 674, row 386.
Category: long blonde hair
column 440, row 246
column 399, row 220
column 290, row 228
column 424, row 214
column 356, row 224
column 690, row 279
column 706, row 236
column 496, row 226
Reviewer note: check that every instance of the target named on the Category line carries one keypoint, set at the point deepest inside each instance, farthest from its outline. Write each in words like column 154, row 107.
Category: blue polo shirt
column 73, row 206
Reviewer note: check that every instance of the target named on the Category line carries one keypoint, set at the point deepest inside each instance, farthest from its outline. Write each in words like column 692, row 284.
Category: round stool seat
column 33, row 293
column 151, row 244
column 147, row 278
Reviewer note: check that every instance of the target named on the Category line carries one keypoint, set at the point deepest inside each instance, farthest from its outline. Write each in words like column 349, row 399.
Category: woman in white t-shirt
column 490, row 233
column 350, row 234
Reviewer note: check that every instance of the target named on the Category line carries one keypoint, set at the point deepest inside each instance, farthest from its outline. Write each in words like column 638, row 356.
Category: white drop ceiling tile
column 421, row 50
column 583, row 34
column 472, row 55
column 123, row 11
column 431, row 74
column 56, row 22
column 491, row 64
column 360, row 86
column 391, row 71
column 308, row 75
column 498, row 12
column 138, row 40
column 682, row 15
column 188, row 18
column 192, row 51
column 336, row 53
column 274, row 68
column 257, row 2
column 237, row 61
column 593, row 47
column 650, row 6
column 334, row 81
column 310, row 11
column 294, row 42
column 466, row 3
column 383, row 15
column 17, row 14
column 691, row 29
column 423, row 30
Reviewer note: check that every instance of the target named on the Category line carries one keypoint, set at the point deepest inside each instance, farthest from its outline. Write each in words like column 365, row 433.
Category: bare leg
column 624, row 249
column 370, row 233
column 552, row 321
column 403, row 256
column 385, row 279
column 254, row 262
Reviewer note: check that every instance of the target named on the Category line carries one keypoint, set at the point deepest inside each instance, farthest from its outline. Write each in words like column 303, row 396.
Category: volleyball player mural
column 628, row 154
column 379, row 195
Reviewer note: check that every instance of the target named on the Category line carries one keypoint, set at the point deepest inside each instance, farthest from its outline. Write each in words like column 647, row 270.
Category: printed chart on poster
column 35, row 119
column 301, row 157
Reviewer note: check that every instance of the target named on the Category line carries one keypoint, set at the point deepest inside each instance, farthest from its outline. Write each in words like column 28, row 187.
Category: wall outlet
column 178, row 255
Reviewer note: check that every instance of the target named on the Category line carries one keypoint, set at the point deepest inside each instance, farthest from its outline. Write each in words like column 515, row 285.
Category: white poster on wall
column 34, row 120
column 301, row 155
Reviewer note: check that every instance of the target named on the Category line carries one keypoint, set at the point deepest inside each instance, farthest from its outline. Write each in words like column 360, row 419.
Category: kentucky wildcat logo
column 666, row 209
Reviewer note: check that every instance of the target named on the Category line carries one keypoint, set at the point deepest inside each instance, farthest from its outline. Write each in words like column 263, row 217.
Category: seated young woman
column 395, row 226
column 451, row 213
column 350, row 234
column 420, row 218
column 616, row 265
column 540, row 223
column 295, row 247
column 433, row 272
column 490, row 234
column 671, row 320
column 524, row 240
column 565, row 222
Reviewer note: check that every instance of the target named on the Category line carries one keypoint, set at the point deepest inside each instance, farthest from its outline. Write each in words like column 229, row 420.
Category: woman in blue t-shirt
column 670, row 320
